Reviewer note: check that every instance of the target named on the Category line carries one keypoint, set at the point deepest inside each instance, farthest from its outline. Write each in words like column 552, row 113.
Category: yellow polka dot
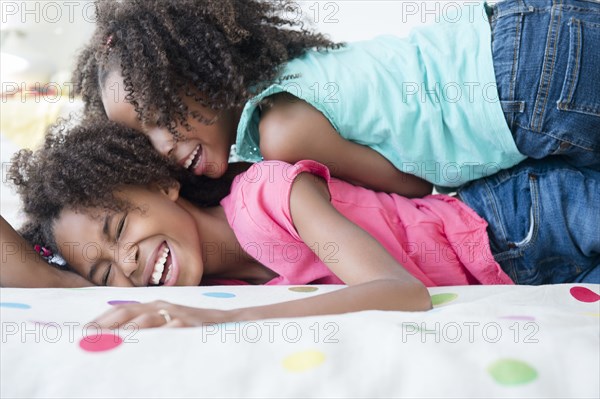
column 302, row 361
column 303, row 289
column 592, row 314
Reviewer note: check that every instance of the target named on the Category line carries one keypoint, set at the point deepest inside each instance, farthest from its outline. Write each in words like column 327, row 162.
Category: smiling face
column 156, row 242
column 204, row 150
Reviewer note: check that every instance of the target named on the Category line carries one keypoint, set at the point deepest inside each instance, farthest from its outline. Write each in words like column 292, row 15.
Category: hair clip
column 109, row 41
column 50, row 257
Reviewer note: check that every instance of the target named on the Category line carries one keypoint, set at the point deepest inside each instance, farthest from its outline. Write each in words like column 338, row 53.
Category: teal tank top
column 428, row 102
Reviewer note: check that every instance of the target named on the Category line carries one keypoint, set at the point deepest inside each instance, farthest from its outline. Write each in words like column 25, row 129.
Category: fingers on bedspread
column 143, row 315
column 175, row 323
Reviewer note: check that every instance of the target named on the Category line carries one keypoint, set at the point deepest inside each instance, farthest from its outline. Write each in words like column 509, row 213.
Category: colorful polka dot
column 100, row 342
column 14, row 305
column 303, row 289
column 440, row 299
column 116, row 302
column 592, row 314
column 219, row 294
column 303, row 361
column 583, row 294
column 512, row 372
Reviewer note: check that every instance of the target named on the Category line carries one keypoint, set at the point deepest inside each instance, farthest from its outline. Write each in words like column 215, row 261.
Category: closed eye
column 106, row 275
column 120, row 227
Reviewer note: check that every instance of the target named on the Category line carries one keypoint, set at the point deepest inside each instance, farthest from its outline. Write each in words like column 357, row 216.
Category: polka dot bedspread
column 494, row 341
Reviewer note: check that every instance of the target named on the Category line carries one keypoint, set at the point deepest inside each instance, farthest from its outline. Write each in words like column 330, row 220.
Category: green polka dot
column 512, row 372
column 303, row 289
column 440, row 299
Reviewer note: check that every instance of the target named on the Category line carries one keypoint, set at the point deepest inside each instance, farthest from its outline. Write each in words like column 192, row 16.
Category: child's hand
column 160, row 314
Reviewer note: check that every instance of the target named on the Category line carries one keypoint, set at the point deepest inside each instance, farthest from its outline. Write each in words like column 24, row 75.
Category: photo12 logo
column 53, row 332
column 441, row 11
column 269, row 332
column 52, row 12
column 469, row 331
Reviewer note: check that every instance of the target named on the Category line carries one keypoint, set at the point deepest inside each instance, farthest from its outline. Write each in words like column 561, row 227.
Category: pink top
column 438, row 239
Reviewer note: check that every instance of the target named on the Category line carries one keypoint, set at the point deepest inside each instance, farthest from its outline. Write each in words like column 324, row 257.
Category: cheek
column 120, row 280
column 76, row 260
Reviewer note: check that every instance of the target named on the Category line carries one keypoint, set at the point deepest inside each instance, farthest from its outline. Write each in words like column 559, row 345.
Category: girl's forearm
column 22, row 267
column 376, row 280
column 388, row 294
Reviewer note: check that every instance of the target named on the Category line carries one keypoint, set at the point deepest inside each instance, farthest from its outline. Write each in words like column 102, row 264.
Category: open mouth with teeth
column 192, row 161
column 163, row 266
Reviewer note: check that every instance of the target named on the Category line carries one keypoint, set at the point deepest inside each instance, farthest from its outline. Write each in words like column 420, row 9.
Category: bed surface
column 494, row 341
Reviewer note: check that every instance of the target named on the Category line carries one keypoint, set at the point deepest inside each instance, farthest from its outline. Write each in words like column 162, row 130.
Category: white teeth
column 169, row 273
column 190, row 159
column 159, row 267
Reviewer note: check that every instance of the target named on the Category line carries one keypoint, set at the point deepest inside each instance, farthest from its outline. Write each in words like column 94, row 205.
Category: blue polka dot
column 219, row 294
column 14, row 305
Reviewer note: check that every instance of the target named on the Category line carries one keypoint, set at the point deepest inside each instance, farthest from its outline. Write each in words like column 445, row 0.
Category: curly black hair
column 80, row 166
column 211, row 50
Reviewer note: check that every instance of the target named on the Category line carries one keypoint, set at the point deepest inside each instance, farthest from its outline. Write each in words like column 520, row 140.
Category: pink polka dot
column 583, row 294
column 100, row 342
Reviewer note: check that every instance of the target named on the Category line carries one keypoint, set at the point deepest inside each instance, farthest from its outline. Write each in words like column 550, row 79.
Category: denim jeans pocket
column 533, row 253
column 520, row 229
column 580, row 91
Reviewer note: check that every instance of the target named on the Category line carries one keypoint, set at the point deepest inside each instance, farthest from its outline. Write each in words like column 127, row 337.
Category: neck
column 234, row 115
column 222, row 254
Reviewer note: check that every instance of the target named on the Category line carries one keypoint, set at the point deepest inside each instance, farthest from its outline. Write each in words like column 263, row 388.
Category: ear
column 171, row 191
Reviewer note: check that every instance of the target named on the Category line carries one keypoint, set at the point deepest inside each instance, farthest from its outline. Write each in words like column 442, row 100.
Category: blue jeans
column 543, row 220
column 547, row 63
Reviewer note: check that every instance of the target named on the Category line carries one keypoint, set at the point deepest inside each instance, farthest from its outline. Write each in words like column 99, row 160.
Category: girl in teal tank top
column 392, row 114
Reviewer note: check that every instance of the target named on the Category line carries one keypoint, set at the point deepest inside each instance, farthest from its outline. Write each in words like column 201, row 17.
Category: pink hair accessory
column 49, row 256
column 45, row 252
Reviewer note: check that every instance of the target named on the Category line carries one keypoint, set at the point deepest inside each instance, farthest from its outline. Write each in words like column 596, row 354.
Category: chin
column 213, row 174
column 193, row 282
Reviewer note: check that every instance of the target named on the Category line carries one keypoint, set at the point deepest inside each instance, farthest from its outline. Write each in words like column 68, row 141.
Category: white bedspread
column 494, row 341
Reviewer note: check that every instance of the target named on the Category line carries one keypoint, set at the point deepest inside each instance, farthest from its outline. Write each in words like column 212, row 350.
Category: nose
column 162, row 140
column 128, row 262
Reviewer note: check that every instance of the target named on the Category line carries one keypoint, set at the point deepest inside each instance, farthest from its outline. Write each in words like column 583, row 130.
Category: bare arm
column 22, row 267
column 292, row 130
column 376, row 281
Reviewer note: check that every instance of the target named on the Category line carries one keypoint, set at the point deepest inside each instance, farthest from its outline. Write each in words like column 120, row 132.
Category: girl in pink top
column 279, row 224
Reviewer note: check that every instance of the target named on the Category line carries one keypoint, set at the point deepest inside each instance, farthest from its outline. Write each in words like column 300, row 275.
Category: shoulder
column 272, row 180
column 282, row 110
column 261, row 196
column 287, row 125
